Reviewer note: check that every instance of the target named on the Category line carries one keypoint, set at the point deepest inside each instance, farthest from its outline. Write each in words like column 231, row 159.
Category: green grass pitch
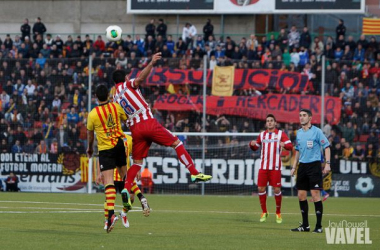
column 75, row 221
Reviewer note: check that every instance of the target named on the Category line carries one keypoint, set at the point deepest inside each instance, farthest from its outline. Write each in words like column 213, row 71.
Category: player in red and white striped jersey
column 272, row 141
column 144, row 127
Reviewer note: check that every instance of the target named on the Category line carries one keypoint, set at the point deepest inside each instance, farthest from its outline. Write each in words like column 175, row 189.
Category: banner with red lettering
column 284, row 107
column 260, row 79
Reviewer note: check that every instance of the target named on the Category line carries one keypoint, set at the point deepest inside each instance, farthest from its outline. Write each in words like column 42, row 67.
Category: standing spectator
column 161, row 29
column 305, row 39
column 150, row 29
column 72, row 117
column 25, row 29
column 170, row 44
column 188, row 34
column 283, row 40
column 140, row 44
column 294, row 38
column 340, row 29
column 208, row 30
column 252, row 43
column 38, row 28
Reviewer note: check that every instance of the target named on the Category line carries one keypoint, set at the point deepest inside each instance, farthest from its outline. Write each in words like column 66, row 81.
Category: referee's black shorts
column 309, row 176
column 114, row 157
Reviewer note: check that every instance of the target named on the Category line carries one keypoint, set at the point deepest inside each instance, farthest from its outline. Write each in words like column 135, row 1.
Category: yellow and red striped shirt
column 106, row 120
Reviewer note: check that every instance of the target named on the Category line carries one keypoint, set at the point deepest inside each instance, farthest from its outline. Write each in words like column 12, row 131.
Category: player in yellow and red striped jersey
column 105, row 120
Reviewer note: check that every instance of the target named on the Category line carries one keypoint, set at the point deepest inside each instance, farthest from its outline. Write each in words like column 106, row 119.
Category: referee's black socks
column 304, row 206
column 318, row 212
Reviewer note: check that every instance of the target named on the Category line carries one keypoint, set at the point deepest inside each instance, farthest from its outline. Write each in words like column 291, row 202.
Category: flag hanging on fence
column 371, row 26
column 223, row 81
column 84, row 168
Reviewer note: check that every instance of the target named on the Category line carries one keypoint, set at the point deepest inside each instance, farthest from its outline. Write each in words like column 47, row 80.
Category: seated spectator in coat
column 17, row 147
column 29, row 147
column 41, row 148
column 359, row 153
column 12, row 183
column 347, row 151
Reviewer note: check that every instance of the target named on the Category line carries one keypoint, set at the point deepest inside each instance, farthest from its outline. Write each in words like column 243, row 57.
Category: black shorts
column 309, row 176
column 119, row 186
column 114, row 157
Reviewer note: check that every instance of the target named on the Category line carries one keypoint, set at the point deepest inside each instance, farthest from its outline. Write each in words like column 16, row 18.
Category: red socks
column 263, row 201
column 185, row 159
column 131, row 175
column 278, row 198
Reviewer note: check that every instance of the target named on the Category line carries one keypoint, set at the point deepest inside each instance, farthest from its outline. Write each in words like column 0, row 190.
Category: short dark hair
column 308, row 111
column 118, row 76
column 102, row 92
column 271, row 115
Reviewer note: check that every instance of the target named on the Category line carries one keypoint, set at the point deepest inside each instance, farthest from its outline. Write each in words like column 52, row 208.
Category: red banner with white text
column 284, row 107
column 260, row 79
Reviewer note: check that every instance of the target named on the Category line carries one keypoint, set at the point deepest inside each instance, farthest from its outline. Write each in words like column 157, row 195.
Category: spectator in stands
column 54, row 147
column 12, row 183
column 87, row 44
column 29, row 147
column 121, row 60
column 359, row 53
column 340, row 29
column 72, row 117
column 25, row 29
column 208, row 30
column 38, row 28
column 20, row 136
column 4, row 148
column 347, row 151
column 305, row 40
column 150, row 45
column 4, row 98
column 181, row 47
column 188, row 34
column 293, row 38
column 150, row 29
column 347, row 93
column 99, row 46
column 56, row 104
column 358, row 153
column 41, row 148
column 162, row 28
column 16, row 148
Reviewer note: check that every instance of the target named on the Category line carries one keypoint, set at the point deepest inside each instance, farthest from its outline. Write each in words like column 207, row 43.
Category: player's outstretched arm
column 145, row 73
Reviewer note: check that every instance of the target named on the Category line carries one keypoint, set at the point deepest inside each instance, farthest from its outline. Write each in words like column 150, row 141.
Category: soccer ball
column 113, row 33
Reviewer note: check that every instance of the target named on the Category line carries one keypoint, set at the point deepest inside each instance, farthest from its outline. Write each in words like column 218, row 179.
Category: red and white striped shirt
column 131, row 100
column 271, row 149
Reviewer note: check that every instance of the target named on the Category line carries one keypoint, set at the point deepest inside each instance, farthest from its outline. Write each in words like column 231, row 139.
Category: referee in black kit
column 310, row 139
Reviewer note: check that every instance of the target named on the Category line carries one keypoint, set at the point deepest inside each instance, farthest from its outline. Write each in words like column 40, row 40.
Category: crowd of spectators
column 43, row 82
